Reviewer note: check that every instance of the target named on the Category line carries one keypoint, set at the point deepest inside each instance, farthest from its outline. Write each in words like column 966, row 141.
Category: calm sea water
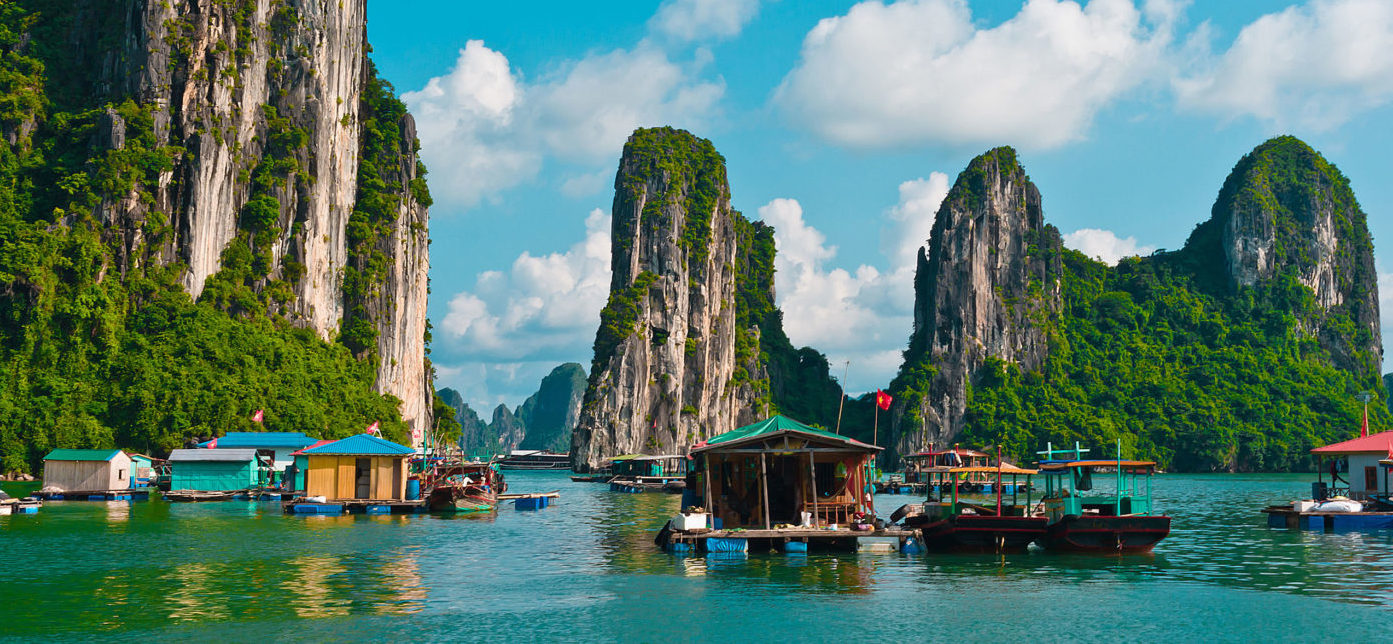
column 585, row 569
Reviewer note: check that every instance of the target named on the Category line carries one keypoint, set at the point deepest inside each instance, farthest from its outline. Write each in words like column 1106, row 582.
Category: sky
column 842, row 125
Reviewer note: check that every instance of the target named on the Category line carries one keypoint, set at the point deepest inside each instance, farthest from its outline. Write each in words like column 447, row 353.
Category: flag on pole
column 372, row 429
column 882, row 400
column 257, row 416
column 1364, row 428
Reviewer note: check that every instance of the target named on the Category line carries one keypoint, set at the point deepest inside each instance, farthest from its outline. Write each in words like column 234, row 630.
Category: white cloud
column 919, row 71
column 1105, row 245
column 699, row 19
column 864, row 315
column 543, row 308
column 1315, row 65
column 483, row 129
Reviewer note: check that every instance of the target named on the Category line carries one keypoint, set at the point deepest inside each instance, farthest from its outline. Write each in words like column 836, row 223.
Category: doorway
column 363, row 477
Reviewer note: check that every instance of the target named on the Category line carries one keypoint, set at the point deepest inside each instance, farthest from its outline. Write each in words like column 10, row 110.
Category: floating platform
column 531, row 501
column 1284, row 516
column 352, row 506
column 790, row 540
column 133, row 494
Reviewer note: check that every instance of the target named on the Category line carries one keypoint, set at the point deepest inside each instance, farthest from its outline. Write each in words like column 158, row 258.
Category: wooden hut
column 361, row 467
column 87, row 470
column 775, row 470
column 213, row 470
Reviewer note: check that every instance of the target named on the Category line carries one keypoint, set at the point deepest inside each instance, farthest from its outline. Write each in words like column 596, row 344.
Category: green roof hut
column 213, row 470
column 87, row 470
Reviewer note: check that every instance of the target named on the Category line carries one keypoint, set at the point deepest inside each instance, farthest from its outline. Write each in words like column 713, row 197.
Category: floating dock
column 1285, row 516
column 790, row 540
column 132, row 494
column 353, row 506
column 531, row 501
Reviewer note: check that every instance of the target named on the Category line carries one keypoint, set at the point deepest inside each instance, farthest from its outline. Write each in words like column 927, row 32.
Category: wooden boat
column 593, row 478
column 1087, row 521
column 464, row 487
column 194, row 496
column 957, row 525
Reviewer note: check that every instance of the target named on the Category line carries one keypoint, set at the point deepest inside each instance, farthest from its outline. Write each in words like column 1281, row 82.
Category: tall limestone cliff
column 665, row 369
column 1285, row 209
column 245, row 153
column 985, row 288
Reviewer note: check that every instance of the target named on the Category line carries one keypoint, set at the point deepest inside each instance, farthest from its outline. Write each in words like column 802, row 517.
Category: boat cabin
column 362, row 467
column 780, row 471
column 1360, row 457
column 917, row 465
column 943, row 490
column 214, row 470
column 668, row 466
column 87, row 470
column 1071, row 487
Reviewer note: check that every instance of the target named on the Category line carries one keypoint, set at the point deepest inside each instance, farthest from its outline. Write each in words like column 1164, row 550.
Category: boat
column 464, row 487
column 1081, row 519
column 592, row 478
column 640, row 473
column 195, row 496
column 955, row 524
column 520, row 459
column 26, row 505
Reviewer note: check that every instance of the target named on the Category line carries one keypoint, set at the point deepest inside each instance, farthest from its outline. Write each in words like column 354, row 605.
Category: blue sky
column 842, row 124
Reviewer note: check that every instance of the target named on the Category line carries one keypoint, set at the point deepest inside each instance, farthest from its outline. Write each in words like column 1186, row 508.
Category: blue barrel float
column 413, row 489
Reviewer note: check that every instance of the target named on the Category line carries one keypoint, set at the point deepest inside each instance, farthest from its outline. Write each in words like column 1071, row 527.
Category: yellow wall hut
column 361, row 467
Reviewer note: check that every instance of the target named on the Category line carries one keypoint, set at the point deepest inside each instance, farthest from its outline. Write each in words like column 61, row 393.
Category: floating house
column 142, row 469
column 357, row 468
column 278, row 447
column 1362, row 456
column 214, row 470
column 95, row 471
column 641, row 473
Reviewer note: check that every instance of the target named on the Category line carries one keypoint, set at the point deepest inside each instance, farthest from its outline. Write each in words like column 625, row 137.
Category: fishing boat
column 1082, row 519
column 957, row 524
column 464, row 487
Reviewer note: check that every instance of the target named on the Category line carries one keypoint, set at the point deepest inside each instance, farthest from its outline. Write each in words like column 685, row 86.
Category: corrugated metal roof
column 296, row 440
column 235, row 455
column 316, row 444
column 1380, row 443
column 774, row 426
column 361, row 444
column 82, row 454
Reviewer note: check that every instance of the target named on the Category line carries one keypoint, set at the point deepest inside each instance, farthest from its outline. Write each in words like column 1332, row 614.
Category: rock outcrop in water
column 988, row 282
column 665, row 369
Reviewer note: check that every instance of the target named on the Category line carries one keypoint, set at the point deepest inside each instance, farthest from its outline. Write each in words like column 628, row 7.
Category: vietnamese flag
column 372, row 429
column 256, row 417
column 882, row 400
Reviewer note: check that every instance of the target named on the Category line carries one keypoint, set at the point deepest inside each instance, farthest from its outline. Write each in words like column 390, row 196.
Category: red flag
column 256, row 417
column 1364, row 428
column 372, row 429
column 882, row 399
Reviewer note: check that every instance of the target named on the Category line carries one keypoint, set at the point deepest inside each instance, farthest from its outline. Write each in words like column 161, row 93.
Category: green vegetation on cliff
column 1166, row 354
column 100, row 349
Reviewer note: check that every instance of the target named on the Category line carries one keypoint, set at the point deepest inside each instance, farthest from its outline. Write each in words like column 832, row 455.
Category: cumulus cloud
column 700, row 19
column 541, row 309
column 1314, row 65
column 1105, row 245
column 921, row 71
column 484, row 129
column 863, row 315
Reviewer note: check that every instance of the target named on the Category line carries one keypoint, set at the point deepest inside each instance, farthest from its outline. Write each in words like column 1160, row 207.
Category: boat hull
column 1107, row 534
column 448, row 500
column 977, row 533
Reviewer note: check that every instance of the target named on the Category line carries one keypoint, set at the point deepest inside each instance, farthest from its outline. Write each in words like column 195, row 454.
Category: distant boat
column 520, row 459
column 1116, row 520
column 640, row 473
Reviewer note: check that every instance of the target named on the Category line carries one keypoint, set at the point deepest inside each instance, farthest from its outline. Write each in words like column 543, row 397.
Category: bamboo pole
column 764, row 487
column 812, row 477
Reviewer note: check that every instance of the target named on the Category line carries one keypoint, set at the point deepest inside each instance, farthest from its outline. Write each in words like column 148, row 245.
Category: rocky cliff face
column 551, row 414
column 271, row 104
column 665, row 369
column 509, row 430
column 989, row 281
column 1284, row 208
column 475, row 435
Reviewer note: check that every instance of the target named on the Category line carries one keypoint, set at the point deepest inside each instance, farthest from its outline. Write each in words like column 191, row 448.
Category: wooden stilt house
column 773, row 471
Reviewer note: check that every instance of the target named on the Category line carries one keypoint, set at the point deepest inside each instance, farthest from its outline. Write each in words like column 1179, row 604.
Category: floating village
column 776, row 485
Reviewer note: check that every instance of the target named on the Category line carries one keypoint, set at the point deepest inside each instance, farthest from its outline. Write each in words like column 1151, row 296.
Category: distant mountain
column 544, row 421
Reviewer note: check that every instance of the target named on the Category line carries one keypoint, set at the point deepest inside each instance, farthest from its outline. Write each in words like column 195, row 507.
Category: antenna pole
column 840, row 401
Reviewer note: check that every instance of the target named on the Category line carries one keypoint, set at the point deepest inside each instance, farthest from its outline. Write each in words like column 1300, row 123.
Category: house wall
column 89, row 476
column 1357, row 463
column 212, row 476
column 335, row 477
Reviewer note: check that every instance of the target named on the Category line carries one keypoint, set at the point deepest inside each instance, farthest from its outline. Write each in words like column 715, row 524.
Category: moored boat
column 535, row 460
column 1081, row 519
column 956, row 524
column 464, row 487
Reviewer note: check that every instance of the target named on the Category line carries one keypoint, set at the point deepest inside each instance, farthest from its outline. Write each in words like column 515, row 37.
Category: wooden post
column 812, row 478
column 764, row 488
column 706, row 479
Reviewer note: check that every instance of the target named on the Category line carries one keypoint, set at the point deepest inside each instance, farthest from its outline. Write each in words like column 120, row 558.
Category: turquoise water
column 585, row 569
